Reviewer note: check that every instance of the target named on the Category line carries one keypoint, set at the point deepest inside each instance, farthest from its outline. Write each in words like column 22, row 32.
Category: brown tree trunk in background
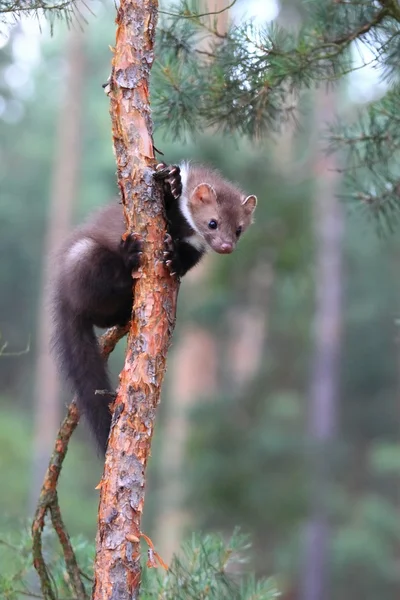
column 47, row 409
column 222, row 18
column 324, row 387
column 248, row 325
column 117, row 563
column 193, row 379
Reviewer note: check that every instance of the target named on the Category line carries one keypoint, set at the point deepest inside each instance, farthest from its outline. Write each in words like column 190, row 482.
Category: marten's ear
column 204, row 193
column 249, row 204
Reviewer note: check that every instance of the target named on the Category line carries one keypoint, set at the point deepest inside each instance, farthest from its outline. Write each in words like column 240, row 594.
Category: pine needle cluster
column 248, row 81
column 63, row 10
column 207, row 568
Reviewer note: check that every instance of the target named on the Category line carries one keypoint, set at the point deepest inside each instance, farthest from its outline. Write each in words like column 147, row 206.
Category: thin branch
column 10, row 546
column 196, row 15
column 35, row 6
column 27, row 593
column 48, row 501
column 344, row 41
column 48, row 496
column 15, row 353
column 393, row 7
column 33, row 595
column 68, row 551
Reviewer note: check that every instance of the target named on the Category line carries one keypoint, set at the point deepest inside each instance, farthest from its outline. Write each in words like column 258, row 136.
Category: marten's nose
column 226, row 248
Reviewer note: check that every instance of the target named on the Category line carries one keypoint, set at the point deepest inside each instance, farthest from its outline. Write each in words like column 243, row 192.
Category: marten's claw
column 131, row 251
column 175, row 181
column 161, row 171
column 171, row 259
column 171, row 176
column 169, row 245
column 176, row 192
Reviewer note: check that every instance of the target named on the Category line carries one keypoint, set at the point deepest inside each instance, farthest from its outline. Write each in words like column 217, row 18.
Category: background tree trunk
column 249, row 324
column 47, row 409
column 324, row 387
column 193, row 374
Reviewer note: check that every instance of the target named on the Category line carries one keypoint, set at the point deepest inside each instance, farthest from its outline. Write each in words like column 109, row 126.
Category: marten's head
column 217, row 210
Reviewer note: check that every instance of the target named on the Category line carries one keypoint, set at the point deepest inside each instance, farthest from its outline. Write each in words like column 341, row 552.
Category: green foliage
column 243, row 88
column 373, row 143
column 17, row 572
column 228, row 479
column 367, row 541
column 27, row 157
column 16, row 563
column 385, row 458
column 207, row 568
column 246, row 462
column 15, row 436
column 247, row 82
column 247, row 455
column 63, row 10
column 81, row 474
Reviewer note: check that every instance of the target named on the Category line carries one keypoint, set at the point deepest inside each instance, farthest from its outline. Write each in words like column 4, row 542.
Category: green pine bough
column 206, row 568
column 250, row 80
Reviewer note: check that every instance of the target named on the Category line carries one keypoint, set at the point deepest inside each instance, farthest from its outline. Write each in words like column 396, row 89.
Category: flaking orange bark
column 117, row 567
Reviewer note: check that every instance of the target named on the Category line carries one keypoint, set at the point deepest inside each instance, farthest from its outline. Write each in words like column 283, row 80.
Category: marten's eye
column 213, row 224
column 238, row 231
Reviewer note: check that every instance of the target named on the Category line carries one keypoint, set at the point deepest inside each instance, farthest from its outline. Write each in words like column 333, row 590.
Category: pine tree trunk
column 63, row 193
column 324, row 388
column 117, row 564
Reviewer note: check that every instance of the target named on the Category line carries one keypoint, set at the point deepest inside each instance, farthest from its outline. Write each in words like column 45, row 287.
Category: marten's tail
column 80, row 361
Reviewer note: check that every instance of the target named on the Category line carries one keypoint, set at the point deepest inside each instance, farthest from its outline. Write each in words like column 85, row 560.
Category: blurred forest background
column 291, row 341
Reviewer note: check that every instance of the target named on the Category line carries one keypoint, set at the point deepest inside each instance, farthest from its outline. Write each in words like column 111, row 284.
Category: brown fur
column 93, row 282
column 211, row 197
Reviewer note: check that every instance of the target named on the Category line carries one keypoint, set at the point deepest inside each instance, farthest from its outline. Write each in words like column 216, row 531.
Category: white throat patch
column 184, row 199
column 197, row 241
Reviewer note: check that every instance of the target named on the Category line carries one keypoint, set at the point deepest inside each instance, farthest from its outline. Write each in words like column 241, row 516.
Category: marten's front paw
column 171, row 178
column 131, row 251
column 171, row 258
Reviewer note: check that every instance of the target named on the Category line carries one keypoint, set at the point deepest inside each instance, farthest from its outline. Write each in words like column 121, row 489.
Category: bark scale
column 117, row 564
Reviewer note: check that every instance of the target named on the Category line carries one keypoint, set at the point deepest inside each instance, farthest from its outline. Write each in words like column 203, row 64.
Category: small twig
column 35, row 6
column 5, row 543
column 86, row 576
column 48, row 501
column 30, row 594
column 195, row 15
column 33, row 595
column 68, row 551
column 4, row 346
column 48, row 498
